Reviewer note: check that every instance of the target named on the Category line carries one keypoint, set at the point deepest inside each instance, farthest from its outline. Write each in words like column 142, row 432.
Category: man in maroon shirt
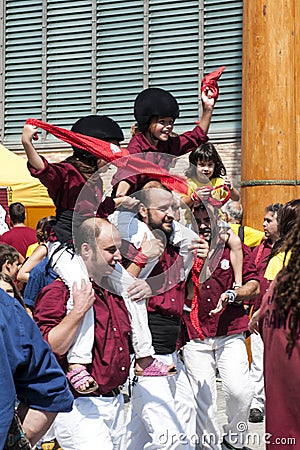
column 261, row 257
column 19, row 236
column 96, row 418
column 162, row 413
column 223, row 321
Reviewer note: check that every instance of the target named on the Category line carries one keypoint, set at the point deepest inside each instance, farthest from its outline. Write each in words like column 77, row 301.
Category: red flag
column 196, row 269
column 209, row 82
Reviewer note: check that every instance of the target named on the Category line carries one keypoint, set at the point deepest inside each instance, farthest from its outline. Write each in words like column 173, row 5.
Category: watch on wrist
column 231, row 295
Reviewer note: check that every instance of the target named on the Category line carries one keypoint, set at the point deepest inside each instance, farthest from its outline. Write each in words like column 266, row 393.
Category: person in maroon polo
column 99, row 416
column 261, row 255
column 19, row 236
column 280, row 326
column 223, row 321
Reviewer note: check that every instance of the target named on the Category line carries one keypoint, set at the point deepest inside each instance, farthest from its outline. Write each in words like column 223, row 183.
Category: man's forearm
column 247, row 291
column 36, row 423
column 61, row 337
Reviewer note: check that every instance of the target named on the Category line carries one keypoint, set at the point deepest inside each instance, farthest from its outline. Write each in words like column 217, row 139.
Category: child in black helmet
column 155, row 111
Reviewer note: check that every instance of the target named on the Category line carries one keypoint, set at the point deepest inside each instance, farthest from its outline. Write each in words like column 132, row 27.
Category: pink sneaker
column 156, row 369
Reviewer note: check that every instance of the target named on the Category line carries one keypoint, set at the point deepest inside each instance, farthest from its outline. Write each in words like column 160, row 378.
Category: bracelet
column 231, row 296
column 140, row 259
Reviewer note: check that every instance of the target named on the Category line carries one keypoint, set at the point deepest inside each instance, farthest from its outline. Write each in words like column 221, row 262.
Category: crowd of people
column 154, row 287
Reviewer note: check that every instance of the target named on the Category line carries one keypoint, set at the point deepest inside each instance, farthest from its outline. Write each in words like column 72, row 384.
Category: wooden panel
column 270, row 108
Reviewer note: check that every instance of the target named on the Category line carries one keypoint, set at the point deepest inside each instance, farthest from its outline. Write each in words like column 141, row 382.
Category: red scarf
column 209, row 82
column 120, row 157
column 196, row 269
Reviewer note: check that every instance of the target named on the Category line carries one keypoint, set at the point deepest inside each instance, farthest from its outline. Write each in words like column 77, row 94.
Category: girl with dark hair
column 206, row 176
column 206, row 164
column 36, row 252
column 42, row 231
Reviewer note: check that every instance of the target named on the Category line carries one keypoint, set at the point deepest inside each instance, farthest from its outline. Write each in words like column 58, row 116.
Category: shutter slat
column 175, row 40
column 223, row 46
column 23, row 68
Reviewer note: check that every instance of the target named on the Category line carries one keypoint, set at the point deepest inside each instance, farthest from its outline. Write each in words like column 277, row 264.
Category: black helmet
column 155, row 102
column 100, row 127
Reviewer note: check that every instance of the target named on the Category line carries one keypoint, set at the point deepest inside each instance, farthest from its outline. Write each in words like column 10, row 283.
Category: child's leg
column 133, row 230
column 236, row 256
column 183, row 237
column 70, row 268
column 119, row 282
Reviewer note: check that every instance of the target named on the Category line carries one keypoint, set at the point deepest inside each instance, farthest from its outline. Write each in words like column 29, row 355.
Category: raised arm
column 208, row 103
column 36, row 257
column 33, row 157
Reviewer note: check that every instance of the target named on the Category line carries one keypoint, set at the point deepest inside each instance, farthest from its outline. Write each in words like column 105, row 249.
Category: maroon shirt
column 110, row 366
column 282, row 377
column 165, row 307
column 174, row 146
column 20, row 238
column 261, row 254
column 64, row 184
column 167, row 281
column 233, row 319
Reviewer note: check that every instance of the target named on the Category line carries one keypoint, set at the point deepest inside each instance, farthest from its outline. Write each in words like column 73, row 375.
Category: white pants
column 229, row 354
column 71, row 268
column 48, row 436
column 162, row 412
column 93, row 423
column 257, row 372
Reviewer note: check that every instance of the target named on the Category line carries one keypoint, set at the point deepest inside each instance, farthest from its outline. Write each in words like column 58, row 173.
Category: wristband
column 140, row 259
column 231, row 294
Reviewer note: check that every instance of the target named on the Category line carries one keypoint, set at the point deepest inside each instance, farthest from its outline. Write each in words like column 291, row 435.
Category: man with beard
column 223, row 322
column 97, row 416
column 162, row 413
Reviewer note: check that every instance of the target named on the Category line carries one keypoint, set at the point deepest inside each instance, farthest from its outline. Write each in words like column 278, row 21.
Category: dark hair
column 286, row 218
column 17, row 294
column 85, row 165
column 8, row 253
column 287, row 288
column 43, row 228
column 205, row 152
column 17, row 213
column 274, row 208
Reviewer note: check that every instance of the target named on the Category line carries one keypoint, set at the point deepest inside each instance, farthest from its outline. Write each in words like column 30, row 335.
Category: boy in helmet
column 155, row 111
